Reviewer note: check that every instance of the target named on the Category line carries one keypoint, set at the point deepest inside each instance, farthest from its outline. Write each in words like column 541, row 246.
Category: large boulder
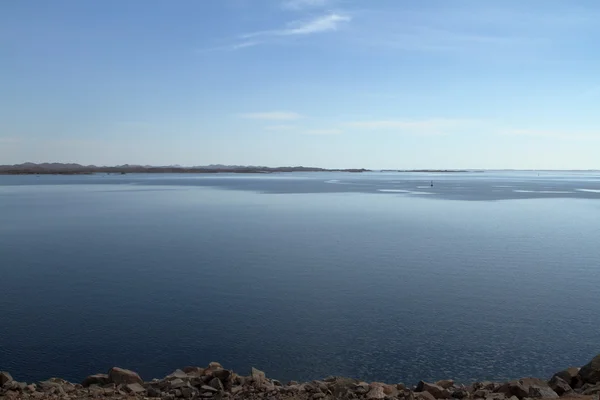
column 435, row 390
column 258, row 377
column 97, row 379
column 445, row 383
column 560, row 386
column 569, row 375
column 590, row 373
column 376, row 393
column 527, row 387
column 121, row 376
column 5, row 377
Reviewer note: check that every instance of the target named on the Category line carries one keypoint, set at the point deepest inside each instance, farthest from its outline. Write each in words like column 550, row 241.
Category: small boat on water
column 431, row 183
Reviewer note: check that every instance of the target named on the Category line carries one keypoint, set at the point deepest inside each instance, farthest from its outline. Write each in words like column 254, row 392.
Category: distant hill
column 78, row 169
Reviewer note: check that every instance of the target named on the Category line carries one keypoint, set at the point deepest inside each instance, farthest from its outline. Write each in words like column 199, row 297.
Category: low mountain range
column 77, row 169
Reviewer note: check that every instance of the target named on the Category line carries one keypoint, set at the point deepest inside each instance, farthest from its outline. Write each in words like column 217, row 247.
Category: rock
column 194, row 371
column 542, row 392
column 207, row 388
column 177, row 374
column 121, row 376
column 217, row 384
column 340, row 386
column 362, row 388
column 5, row 377
column 436, row 391
column 485, row 385
column 559, row 385
column 177, row 383
column 257, row 375
column 134, row 388
column 97, row 379
column 423, row 396
column 390, row 390
column 224, row 375
column 590, row 373
column 187, row 392
column 592, row 390
column 445, row 383
column 513, row 388
column 527, row 387
column 376, row 392
column 481, row 393
column 316, row 396
column 214, row 365
column 568, row 375
column 460, row 394
column 153, row 392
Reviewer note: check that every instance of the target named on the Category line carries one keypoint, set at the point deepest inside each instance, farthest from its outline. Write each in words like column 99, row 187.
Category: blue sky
column 331, row 83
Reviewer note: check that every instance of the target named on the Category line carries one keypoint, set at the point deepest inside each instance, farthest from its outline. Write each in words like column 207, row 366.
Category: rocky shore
column 217, row 383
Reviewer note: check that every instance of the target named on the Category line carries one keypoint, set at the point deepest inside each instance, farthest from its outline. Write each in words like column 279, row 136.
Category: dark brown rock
column 436, row 391
column 592, row 390
column 153, row 392
column 423, row 396
column 445, row 383
column 568, row 375
column 97, row 379
column 559, row 385
column 217, row 384
column 513, row 388
column 459, row 394
column 187, row 392
column 527, row 387
column 5, row 377
column 590, row 373
column 121, row 376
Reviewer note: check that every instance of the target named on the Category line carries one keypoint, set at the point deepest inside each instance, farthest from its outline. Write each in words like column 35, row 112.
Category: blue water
column 380, row 276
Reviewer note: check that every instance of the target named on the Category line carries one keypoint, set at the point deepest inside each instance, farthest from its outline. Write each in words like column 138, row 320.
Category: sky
column 330, row 83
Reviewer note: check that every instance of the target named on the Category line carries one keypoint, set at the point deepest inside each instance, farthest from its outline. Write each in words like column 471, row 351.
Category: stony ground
column 217, row 383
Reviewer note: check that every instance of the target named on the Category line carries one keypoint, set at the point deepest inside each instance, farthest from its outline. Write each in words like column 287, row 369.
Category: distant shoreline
column 77, row 169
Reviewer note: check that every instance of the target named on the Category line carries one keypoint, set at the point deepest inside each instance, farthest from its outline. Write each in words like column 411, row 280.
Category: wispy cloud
column 555, row 134
column 303, row 4
column 427, row 126
column 323, row 132
column 326, row 23
column 272, row 115
column 243, row 45
column 281, row 128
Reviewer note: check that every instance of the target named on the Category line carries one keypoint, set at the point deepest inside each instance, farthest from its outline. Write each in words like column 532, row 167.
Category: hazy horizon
column 320, row 83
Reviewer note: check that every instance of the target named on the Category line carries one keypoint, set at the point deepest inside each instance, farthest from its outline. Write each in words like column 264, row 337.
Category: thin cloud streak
column 324, row 23
column 540, row 133
column 323, row 132
column 281, row 128
column 272, row 115
column 423, row 126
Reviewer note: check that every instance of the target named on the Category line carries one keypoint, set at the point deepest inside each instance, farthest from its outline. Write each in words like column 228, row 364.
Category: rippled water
column 378, row 276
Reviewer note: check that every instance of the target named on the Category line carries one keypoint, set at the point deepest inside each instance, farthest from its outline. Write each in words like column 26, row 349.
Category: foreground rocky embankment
column 218, row 383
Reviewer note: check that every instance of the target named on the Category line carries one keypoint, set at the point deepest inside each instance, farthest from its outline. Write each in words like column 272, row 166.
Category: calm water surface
column 380, row 276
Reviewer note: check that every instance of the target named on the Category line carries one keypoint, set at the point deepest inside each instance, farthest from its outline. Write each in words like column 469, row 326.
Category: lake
column 489, row 275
